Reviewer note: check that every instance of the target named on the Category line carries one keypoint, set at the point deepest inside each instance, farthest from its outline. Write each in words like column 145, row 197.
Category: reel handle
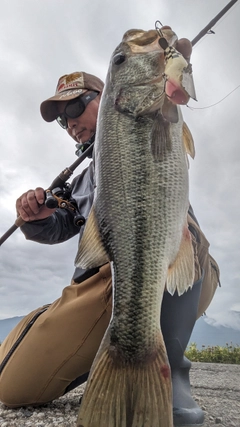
column 50, row 201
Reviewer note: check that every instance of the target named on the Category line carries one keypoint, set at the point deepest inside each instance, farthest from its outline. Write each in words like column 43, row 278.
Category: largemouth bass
column 138, row 222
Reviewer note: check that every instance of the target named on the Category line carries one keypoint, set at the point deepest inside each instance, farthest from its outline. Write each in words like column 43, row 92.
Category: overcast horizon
column 41, row 41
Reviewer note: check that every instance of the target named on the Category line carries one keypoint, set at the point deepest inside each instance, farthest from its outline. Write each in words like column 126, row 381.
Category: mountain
column 208, row 335
column 203, row 333
column 6, row 325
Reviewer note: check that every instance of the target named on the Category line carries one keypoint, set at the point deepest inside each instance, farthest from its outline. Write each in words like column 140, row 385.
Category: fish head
column 144, row 75
column 136, row 73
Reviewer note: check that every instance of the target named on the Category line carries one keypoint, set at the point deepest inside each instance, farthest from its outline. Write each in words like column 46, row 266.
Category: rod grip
column 19, row 221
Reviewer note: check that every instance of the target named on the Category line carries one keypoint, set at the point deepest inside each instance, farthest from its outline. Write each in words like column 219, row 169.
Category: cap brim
column 49, row 109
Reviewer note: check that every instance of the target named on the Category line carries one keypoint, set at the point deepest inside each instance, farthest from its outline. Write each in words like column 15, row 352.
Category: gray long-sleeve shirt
column 60, row 227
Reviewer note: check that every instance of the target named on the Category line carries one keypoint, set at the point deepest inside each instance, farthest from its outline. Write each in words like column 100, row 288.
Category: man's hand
column 30, row 205
column 184, row 46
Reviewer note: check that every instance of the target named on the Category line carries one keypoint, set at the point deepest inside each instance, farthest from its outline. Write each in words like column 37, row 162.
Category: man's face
column 83, row 127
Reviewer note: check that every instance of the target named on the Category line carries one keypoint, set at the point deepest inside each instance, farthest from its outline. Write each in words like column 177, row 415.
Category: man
column 51, row 350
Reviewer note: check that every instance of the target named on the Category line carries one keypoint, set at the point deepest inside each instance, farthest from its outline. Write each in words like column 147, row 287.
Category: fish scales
column 139, row 211
column 135, row 213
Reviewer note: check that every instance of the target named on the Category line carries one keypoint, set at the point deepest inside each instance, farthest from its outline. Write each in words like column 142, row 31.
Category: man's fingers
column 40, row 195
column 184, row 46
column 30, row 203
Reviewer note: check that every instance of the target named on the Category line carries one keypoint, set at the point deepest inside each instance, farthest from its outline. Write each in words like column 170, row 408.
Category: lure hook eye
column 162, row 41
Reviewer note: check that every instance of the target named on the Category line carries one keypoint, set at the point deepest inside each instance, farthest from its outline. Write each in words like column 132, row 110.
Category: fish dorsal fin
column 188, row 141
column 91, row 252
column 181, row 272
column 160, row 138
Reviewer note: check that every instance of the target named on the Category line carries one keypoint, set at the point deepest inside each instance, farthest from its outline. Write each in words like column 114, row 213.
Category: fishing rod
column 52, row 195
column 213, row 22
column 52, row 199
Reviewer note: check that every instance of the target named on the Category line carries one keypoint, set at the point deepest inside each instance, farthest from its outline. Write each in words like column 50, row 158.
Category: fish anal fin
column 121, row 393
column 91, row 252
column 188, row 141
column 181, row 273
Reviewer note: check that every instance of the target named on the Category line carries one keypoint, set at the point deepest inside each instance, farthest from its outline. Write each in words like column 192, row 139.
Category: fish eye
column 119, row 58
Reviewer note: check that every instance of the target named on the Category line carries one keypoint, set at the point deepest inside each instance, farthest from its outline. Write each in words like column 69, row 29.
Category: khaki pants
column 62, row 342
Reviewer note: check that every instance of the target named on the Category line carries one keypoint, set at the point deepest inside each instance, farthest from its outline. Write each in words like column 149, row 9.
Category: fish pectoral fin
column 188, row 141
column 122, row 393
column 91, row 252
column 170, row 111
column 181, row 272
column 160, row 138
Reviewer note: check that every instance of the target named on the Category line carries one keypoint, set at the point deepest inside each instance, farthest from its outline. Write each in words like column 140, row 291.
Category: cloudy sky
column 42, row 40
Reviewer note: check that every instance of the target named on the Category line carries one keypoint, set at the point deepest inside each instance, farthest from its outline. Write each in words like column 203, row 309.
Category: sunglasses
column 75, row 108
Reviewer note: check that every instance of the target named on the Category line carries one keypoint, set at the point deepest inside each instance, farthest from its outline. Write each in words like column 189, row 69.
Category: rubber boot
column 178, row 316
column 78, row 381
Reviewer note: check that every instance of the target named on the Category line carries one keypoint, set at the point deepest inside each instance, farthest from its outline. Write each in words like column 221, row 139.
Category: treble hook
column 162, row 41
column 157, row 28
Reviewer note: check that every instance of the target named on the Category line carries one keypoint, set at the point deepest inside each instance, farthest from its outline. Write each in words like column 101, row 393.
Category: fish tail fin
column 181, row 272
column 127, row 394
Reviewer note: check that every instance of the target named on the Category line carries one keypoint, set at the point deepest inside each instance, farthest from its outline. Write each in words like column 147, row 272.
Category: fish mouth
column 137, row 42
column 178, row 84
column 141, row 41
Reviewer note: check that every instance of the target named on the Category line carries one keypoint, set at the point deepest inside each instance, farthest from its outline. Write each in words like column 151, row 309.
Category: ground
column 216, row 387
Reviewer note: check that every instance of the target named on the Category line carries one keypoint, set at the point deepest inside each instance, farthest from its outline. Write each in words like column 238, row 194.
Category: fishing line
column 216, row 103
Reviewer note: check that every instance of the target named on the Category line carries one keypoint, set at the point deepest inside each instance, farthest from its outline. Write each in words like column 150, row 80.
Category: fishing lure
column 178, row 73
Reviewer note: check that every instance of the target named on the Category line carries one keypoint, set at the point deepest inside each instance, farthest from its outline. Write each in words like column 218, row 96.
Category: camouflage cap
column 69, row 86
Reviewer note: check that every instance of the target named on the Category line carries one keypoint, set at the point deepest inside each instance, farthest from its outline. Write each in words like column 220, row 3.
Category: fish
column 138, row 223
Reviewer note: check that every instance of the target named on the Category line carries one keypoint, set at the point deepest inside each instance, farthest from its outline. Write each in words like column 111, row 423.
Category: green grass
column 217, row 354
